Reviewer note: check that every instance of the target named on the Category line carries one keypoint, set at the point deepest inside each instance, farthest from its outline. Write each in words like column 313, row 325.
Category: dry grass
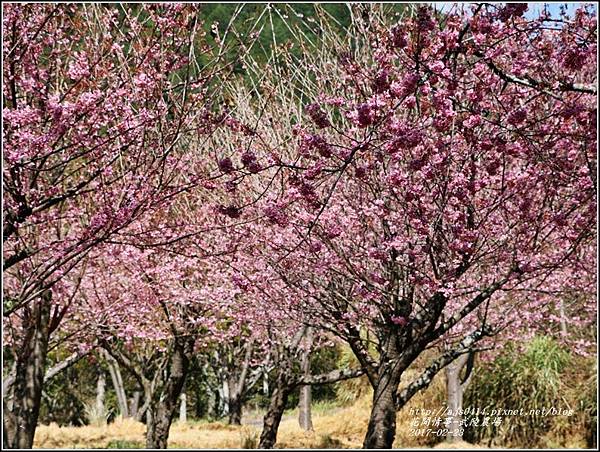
column 190, row 435
column 52, row 436
column 462, row 445
column 337, row 427
column 342, row 428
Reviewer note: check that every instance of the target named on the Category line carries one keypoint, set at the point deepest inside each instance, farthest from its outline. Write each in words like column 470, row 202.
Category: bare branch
column 424, row 380
column 330, row 377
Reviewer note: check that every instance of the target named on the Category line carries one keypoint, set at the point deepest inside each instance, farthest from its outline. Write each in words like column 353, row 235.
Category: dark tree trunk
column 200, row 404
column 279, row 398
column 235, row 410
column 283, row 387
column 214, row 401
column 8, row 426
column 234, row 407
column 237, row 389
column 142, row 413
column 165, row 399
column 158, row 425
column 382, row 423
column 20, row 423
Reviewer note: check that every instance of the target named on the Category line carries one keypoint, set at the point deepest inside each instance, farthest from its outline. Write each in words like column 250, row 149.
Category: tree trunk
column 143, row 411
column 164, row 403
column 265, row 384
column 563, row 318
column 7, row 382
column 237, row 388
column 224, row 398
column 304, row 412
column 9, row 426
column 134, row 406
column 235, row 410
column 304, row 405
column 454, row 393
column 234, row 407
column 382, row 422
column 183, row 408
column 100, row 393
column 200, row 404
column 20, row 423
column 455, row 390
column 272, row 418
column 117, row 381
column 213, row 404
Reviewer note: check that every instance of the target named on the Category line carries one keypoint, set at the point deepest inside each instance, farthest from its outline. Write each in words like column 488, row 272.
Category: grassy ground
column 340, row 425
column 335, row 427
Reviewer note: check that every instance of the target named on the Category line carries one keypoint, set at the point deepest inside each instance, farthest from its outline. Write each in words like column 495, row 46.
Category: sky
column 534, row 8
column 553, row 8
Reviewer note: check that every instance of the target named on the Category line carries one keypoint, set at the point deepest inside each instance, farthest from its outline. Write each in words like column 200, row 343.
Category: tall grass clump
column 349, row 391
column 531, row 379
column 249, row 439
column 96, row 416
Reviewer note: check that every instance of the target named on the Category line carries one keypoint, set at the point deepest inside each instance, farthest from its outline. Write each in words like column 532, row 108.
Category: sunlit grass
column 335, row 426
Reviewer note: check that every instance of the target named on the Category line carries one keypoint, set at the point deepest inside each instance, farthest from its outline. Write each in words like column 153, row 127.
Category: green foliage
column 539, row 377
column 199, row 386
column 322, row 360
column 62, row 398
column 263, row 33
column 349, row 391
column 276, row 23
column 8, row 303
column 69, row 397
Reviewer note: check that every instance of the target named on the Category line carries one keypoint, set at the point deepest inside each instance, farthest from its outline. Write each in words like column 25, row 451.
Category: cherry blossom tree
column 266, row 307
column 445, row 177
column 152, row 313
column 429, row 184
column 96, row 101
